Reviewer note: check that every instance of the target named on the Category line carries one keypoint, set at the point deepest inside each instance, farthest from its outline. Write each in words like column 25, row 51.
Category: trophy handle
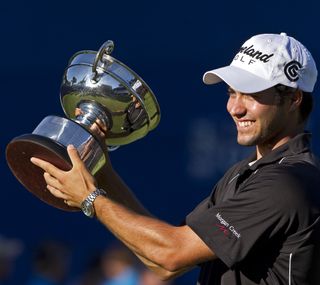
column 106, row 48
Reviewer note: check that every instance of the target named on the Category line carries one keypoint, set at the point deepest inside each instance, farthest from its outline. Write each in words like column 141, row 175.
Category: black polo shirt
column 261, row 219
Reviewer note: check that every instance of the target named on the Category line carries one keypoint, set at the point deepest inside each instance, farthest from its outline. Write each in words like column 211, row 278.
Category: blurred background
column 170, row 44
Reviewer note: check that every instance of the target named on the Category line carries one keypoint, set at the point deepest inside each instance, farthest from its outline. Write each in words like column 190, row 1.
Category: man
column 259, row 224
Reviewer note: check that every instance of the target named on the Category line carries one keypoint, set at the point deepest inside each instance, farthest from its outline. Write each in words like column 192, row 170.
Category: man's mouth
column 244, row 124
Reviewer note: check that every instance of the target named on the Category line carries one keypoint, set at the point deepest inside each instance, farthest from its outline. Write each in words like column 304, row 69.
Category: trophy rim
column 115, row 76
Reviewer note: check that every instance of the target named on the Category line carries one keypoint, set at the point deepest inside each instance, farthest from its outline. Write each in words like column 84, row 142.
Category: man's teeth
column 245, row 124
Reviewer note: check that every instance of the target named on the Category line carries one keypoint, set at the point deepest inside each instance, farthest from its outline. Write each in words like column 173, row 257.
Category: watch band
column 87, row 204
column 93, row 195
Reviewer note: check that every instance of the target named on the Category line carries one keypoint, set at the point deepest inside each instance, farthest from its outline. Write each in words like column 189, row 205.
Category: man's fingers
column 57, row 193
column 73, row 154
column 52, row 181
column 46, row 166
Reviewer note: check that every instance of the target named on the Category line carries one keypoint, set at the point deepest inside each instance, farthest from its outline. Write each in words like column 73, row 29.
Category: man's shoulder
column 297, row 166
column 297, row 179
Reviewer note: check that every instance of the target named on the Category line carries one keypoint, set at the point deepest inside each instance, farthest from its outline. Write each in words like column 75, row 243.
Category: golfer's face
column 260, row 118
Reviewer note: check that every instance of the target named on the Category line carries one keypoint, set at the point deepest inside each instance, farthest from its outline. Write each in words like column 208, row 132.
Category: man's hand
column 72, row 186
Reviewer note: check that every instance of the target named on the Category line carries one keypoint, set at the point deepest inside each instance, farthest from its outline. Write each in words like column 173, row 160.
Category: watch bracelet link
column 87, row 204
column 93, row 195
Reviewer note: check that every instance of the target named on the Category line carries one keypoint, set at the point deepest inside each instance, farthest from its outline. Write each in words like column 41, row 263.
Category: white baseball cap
column 266, row 60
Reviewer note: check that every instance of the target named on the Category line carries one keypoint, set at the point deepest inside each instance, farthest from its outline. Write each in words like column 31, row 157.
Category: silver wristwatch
column 87, row 205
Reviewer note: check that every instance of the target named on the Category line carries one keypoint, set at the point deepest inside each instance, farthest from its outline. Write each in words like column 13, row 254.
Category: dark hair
column 306, row 105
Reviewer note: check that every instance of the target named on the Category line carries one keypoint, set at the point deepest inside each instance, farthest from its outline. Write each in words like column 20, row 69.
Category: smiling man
column 266, row 118
column 260, row 223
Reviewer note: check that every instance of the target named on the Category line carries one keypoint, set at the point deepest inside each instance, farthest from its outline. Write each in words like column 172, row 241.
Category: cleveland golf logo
column 291, row 70
column 255, row 53
column 250, row 55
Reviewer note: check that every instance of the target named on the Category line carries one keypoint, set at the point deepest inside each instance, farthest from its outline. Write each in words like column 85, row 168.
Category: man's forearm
column 135, row 235
column 118, row 191
column 160, row 271
column 174, row 249
column 146, row 236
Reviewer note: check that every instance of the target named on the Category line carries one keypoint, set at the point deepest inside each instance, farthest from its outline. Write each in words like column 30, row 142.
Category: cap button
column 283, row 34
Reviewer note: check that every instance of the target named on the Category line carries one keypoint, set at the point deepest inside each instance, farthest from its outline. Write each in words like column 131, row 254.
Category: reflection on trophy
column 106, row 104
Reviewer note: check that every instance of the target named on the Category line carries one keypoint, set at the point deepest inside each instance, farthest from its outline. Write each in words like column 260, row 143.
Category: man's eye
column 253, row 96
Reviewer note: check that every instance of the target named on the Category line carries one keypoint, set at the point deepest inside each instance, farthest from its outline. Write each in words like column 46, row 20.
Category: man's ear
column 296, row 99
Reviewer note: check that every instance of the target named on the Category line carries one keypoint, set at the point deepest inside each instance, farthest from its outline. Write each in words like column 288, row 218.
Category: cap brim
column 238, row 79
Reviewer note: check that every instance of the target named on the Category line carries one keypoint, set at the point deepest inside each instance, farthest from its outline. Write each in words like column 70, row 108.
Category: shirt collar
column 299, row 144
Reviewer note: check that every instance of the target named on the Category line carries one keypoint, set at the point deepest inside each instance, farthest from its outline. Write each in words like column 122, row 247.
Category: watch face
column 87, row 208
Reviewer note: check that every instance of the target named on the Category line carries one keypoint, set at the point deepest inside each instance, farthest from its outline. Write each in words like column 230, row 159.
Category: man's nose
column 237, row 106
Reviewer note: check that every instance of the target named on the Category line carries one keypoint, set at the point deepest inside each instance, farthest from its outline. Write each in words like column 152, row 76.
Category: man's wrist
column 87, row 206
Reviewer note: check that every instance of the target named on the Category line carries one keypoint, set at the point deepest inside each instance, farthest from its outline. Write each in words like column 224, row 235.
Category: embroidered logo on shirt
column 226, row 228
column 223, row 229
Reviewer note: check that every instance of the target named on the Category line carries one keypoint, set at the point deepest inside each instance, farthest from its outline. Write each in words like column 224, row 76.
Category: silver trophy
column 106, row 104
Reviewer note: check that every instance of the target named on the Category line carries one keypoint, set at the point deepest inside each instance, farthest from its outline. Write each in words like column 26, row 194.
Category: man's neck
column 265, row 149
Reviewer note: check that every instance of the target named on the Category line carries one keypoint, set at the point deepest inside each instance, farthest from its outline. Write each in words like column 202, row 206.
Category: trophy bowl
column 106, row 105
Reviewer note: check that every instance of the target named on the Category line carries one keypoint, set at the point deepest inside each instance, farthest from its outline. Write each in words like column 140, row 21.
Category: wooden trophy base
column 18, row 153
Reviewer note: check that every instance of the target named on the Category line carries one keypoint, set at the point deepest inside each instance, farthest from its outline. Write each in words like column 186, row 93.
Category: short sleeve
column 254, row 215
